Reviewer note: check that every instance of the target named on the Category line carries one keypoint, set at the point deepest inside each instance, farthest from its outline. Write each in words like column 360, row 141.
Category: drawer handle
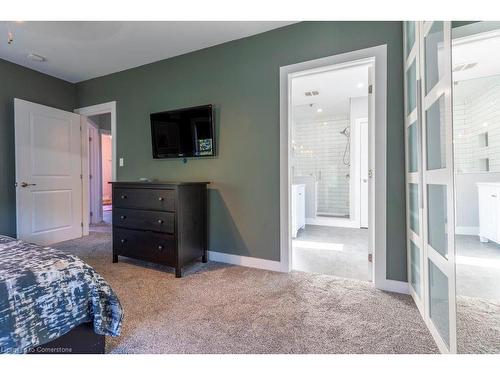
column 123, row 217
column 160, row 247
column 123, row 196
column 160, row 199
column 123, row 240
column 493, row 195
column 160, row 221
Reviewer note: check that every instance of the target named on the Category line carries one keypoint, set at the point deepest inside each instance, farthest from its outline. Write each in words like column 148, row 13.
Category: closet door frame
column 414, row 119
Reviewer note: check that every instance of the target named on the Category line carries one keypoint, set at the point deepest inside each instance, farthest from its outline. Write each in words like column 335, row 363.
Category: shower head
column 345, row 132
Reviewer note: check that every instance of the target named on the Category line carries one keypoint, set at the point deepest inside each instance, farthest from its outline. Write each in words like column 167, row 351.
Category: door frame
column 377, row 216
column 101, row 133
column 97, row 109
column 95, row 170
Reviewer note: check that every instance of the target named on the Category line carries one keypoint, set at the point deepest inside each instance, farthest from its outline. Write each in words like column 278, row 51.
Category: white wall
column 359, row 108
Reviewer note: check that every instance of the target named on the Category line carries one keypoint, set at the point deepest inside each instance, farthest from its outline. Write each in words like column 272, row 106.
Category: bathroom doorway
column 100, row 169
column 376, row 260
column 329, row 169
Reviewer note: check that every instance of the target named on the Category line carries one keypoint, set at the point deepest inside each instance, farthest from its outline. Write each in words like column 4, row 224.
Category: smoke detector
column 37, row 58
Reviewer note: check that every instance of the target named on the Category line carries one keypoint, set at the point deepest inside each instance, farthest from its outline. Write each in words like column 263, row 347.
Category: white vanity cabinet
column 489, row 211
column 298, row 208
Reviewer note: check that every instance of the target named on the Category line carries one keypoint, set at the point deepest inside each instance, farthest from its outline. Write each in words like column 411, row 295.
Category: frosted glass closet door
column 437, row 167
column 429, row 177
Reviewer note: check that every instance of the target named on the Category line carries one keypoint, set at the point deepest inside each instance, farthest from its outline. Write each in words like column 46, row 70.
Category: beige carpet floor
column 218, row 308
column 478, row 325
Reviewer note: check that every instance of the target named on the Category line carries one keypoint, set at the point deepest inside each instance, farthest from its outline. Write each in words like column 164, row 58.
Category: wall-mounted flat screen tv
column 181, row 133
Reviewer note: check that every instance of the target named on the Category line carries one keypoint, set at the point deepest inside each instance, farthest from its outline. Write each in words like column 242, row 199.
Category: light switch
column 121, row 162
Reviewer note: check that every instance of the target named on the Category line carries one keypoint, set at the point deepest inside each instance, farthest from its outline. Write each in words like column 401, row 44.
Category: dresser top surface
column 153, row 183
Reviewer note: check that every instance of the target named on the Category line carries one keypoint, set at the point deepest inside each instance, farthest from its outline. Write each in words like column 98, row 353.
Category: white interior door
column 48, row 146
column 429, row 156
column 362, row 125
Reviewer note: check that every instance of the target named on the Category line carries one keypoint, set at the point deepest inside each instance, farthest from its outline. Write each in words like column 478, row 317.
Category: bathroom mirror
column 476, row 148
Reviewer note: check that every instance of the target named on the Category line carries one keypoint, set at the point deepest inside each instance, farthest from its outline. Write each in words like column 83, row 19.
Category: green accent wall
column 241, row 78
column 19, row 82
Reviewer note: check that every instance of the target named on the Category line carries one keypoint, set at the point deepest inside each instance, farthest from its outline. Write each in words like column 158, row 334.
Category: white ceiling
column 335, row 88
column 77, row 51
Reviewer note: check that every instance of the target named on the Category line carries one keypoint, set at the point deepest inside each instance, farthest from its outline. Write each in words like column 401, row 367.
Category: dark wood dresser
column 160, row 222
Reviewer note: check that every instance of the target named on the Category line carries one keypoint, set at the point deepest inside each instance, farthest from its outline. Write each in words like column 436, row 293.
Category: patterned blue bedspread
column 44, row 293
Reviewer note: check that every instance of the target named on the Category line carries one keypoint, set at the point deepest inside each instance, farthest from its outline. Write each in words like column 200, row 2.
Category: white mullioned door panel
column 413, row 165
column 48, row 149
column 438, row 185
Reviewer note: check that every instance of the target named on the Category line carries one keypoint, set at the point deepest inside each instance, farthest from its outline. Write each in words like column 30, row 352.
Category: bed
column 53, row 302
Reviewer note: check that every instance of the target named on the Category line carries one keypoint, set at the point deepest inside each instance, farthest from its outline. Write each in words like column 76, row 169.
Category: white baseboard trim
column 273, row 265
column 240, row 260
column 468, row 231
column 394, row 286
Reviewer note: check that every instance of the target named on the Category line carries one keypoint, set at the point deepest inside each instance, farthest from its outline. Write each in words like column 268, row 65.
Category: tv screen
column 181, row 133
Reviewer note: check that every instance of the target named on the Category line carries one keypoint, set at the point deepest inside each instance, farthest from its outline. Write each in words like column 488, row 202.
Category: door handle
column 25, row 184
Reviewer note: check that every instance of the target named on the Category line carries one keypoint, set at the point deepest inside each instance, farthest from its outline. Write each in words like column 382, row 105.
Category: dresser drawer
column 145, row 199
column 144, row 220
column 154, row 247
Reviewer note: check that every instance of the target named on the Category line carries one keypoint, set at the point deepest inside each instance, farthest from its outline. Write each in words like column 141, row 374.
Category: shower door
column 429, row 151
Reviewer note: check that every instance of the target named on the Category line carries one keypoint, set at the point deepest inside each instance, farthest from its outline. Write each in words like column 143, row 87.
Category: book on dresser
column 160, row 222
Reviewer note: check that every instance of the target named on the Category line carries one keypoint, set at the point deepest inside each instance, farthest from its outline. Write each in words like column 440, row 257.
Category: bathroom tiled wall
column 318, row 149
column 475, row 115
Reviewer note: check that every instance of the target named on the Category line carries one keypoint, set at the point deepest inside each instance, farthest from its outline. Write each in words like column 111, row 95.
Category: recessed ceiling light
column 35, row 57
column 360, row 85
column 319, row 110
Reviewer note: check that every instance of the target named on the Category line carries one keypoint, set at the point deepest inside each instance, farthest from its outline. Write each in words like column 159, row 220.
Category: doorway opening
column 375, row 256
column 101, row 131
column 100, row 168
column 329, row 170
